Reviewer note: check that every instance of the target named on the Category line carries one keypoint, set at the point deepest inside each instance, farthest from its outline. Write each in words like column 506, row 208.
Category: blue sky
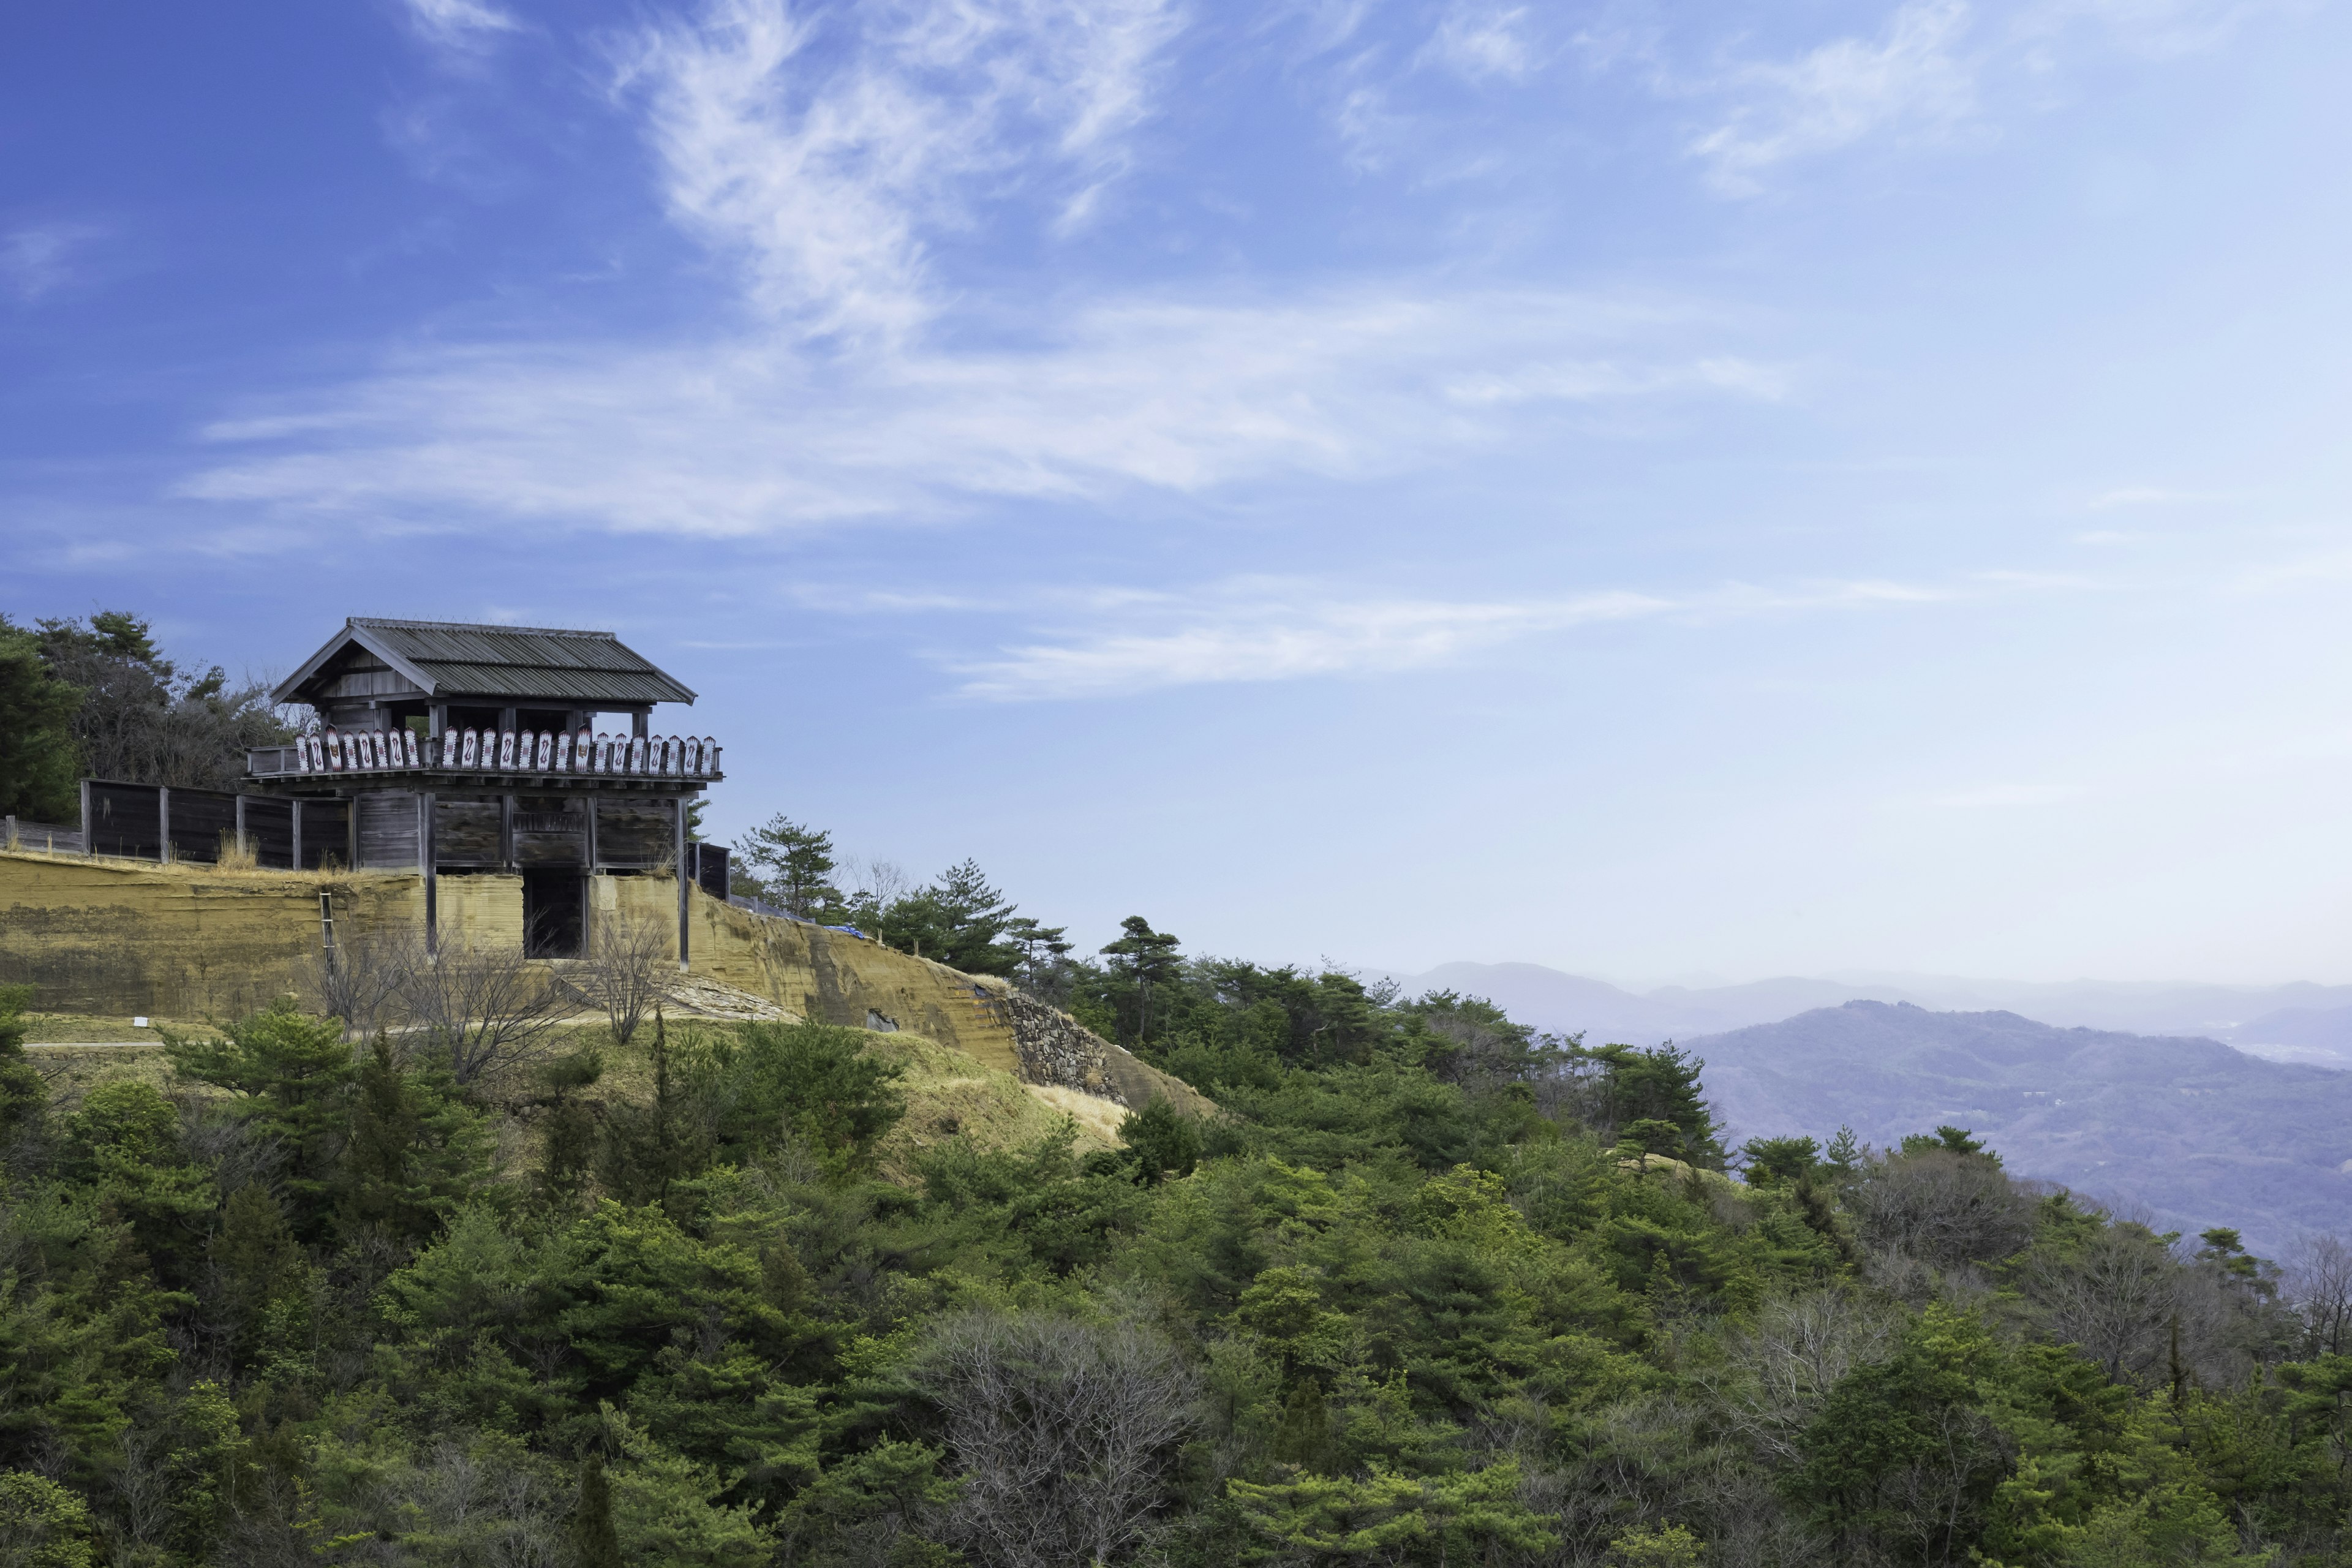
column 1662, row 490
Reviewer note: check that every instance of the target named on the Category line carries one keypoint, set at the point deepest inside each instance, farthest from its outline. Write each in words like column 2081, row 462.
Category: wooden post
column 240, row 822
column 296, row 815
column 506, row 833
column 428, row 862
column 88, row 828
column 682, row 906
column 327, row 929
column 163, row 823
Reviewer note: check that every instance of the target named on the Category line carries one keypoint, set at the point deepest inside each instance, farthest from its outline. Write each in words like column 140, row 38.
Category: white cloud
column 1592, row 380
column 1483, row 42
column 461, row 26
column 37, row 258
column 821, row 149
column 1259, row 630
column 1912, row 78
column 2007, row 796
column 2149, row 495
column 2160, row 28
column 1271, row 637
column 763, row 435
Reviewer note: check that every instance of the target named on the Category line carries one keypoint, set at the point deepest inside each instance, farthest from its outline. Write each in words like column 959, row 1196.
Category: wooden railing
column 509, row 753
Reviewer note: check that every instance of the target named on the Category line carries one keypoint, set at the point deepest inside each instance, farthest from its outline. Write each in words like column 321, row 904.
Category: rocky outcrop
column 1056, row 1051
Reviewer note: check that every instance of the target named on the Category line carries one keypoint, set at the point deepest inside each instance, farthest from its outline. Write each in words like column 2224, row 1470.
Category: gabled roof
column 456, row 662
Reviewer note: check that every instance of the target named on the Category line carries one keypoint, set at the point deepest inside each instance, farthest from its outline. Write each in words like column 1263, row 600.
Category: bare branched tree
column 627, row 971
column 363, row 981
column 2319, row 1289
column 483, row 1007
column 1063, row 1432
column 2117, row 1297
column 1941, row 1207
column 1782, row 1368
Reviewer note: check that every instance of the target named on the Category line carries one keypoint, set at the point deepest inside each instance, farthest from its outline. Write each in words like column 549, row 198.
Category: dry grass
column 951, row 1095
column 77, row 1028
column 1093, row 1113
column 73, row 1073
column 334, row 876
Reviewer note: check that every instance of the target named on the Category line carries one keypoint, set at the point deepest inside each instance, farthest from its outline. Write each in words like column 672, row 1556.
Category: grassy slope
column 948, row 1094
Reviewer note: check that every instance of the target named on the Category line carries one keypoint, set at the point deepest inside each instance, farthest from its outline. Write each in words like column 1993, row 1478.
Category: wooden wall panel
column 465, row 832
column 632, row 833
column 326, row 834
column 269, row 830
column 126, row 819
column 200, row 817
column 388, row 831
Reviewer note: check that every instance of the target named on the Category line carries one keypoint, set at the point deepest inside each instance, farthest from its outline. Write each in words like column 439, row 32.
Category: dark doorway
column 554, row 904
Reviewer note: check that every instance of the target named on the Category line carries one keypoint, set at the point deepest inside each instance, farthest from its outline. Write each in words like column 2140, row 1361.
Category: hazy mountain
column 1566, row 1003
column 2318, row 1035
column 2197, row 1132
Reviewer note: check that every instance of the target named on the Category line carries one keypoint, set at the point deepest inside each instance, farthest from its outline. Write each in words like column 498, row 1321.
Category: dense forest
column 98, row 699
column 1426, row 1287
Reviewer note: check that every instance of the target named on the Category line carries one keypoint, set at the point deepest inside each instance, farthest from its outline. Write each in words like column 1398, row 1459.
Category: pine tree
column 790, row 864
column 413, row 1153
column 1145, row 959
column 591, row 1539
column 24, row 1095
column 39, row 758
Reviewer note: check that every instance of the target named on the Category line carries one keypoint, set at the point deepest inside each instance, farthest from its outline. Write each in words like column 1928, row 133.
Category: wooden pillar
column 297, row 829
column 428, row 862
column 641, row 723
column 506, row 833
column 683, row 907
column 88, row 828
column 163, row 823
column 240, row 820
column 590, row 853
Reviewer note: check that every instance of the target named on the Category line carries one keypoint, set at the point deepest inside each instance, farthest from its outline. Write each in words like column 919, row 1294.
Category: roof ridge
column 482, row 627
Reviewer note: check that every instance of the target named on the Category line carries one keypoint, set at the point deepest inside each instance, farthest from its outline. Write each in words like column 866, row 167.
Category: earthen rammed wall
column 117, row 938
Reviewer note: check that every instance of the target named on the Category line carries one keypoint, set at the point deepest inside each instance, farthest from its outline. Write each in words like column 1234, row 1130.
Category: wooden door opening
column 555, row 913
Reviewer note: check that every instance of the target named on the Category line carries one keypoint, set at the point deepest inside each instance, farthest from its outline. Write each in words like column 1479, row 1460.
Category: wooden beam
column 428, row 862
column 683, row 908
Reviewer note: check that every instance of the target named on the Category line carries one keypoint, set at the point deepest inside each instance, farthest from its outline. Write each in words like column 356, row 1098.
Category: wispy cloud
column 1484, row 42
column 2147, row 495
column 1932, row 67
column 460, row 25
column 1260, row 630
column 38, row 257
column 1273, row 637
column 2007, row 796
column 825, row 168
column 1911, row 79
column 721, row 437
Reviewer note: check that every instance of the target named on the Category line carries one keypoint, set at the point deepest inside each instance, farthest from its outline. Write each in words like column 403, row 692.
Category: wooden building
column 460, row 750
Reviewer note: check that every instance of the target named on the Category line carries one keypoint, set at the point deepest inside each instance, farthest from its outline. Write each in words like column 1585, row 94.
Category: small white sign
column 139, row 1023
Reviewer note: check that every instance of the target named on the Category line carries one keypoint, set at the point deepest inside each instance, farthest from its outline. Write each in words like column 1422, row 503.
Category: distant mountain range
column 2198, row 1133
column 2301, row 1022
column 2204, row 1104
